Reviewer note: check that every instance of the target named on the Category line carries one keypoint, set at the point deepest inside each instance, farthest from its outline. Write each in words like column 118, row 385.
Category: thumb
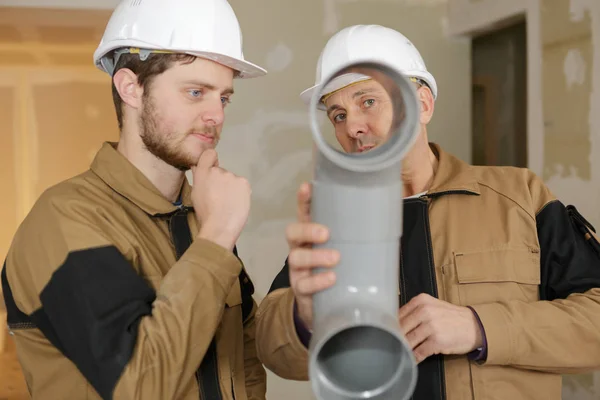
column 208, row 159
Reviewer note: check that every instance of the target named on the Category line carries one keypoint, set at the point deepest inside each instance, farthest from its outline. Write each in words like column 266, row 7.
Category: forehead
column 355, row 91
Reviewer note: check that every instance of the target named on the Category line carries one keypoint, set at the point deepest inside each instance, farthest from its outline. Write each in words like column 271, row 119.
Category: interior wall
column 55, row 106
column 571, row 71
column 563, row 119
column 8, row 175
column 266, row 136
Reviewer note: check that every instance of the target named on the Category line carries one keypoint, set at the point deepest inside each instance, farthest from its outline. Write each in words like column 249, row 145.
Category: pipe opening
column 391, row 111
column 361, row 358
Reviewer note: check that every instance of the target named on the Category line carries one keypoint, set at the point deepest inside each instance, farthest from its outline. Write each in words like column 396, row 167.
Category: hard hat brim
column 306, row 95
column 245, row 69
column 335, row 85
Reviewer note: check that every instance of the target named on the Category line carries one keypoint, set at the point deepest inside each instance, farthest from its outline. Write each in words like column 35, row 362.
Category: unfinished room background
column 56, row 109
column 563, row 103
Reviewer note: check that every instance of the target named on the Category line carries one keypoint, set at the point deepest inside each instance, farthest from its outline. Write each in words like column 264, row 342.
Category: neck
column 167, row 179
column 419, row 166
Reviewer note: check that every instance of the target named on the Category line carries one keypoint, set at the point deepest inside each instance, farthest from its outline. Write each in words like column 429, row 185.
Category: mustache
column 368, row 141
column 205, row 130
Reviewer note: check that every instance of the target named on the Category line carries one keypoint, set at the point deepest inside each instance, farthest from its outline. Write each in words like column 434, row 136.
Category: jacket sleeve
column 67, row 273
column 277, row 341
column 561, row 332
column 256, row 377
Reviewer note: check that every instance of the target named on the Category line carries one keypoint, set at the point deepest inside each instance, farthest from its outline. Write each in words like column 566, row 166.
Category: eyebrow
column 363, row 91
column 333, row 108
column 228, row 91
column 358, row 93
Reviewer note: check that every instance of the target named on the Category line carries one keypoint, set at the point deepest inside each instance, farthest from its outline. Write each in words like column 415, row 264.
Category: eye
column 369, row 102
column 225, row 100
column 195, row 93
column 339, row 118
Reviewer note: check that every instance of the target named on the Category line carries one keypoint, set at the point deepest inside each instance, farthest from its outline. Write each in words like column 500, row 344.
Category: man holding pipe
column 499, row 281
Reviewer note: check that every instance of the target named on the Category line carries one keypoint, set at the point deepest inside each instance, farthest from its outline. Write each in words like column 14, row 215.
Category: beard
column 166, row 146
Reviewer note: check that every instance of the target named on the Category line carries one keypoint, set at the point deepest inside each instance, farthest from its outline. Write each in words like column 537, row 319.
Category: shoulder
column 66, row 214
column 520, row 185
column 75, row 198
column 67, row 218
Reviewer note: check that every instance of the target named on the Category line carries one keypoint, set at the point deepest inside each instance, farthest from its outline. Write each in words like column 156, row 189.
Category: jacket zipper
column 401, row 277
column 431, row 267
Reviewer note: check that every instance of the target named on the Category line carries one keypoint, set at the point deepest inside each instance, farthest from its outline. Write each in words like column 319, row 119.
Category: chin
column 192, row 161
column 184, row 162
column 191, row 155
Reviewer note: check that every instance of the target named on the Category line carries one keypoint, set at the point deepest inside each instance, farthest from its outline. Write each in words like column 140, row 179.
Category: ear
column 126, row 83
column 427, row 104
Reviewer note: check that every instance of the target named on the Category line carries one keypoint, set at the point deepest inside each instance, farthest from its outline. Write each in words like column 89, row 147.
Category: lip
column 204, row 137
column 362, row 149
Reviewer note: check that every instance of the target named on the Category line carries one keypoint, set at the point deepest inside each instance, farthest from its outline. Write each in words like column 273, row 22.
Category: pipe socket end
column 363, row 361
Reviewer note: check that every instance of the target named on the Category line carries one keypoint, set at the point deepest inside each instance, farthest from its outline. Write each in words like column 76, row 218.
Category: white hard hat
column 368, row 43
column 343, row 81
column 203, row 28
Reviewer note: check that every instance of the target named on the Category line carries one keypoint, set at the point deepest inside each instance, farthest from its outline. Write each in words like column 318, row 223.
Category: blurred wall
column 563, row 105
column 55, row 106
column 266, row 136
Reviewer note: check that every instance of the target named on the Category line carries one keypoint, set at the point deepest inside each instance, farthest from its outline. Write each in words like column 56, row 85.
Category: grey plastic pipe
column 358, row 350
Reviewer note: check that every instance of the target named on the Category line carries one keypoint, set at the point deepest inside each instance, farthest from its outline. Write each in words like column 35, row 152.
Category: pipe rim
column 321, row 383
column 386, row 155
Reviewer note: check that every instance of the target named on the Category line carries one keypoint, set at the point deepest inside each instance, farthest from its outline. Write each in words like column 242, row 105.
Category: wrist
column 305, row 319
column 479, row 352
column 223, row 237
column 303, row 333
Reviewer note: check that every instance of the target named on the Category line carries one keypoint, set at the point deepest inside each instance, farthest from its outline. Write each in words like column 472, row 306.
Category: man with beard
column 124, row 282
column 499, row 286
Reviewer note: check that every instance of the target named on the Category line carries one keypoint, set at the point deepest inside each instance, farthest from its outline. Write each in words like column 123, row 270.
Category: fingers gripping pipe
column 357, row 350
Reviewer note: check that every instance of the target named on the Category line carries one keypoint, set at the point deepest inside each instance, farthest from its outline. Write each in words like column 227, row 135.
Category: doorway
column 499, row 96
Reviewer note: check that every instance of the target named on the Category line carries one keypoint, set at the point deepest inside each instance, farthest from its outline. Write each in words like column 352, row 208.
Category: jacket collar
column 452, row 175
column 128, row 181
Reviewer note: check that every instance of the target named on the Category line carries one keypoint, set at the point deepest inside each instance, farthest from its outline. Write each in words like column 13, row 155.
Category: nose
column 356, row 126
column 213, row 114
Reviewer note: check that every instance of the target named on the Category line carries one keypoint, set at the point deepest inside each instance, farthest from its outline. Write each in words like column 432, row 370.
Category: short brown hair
column 146, row 71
